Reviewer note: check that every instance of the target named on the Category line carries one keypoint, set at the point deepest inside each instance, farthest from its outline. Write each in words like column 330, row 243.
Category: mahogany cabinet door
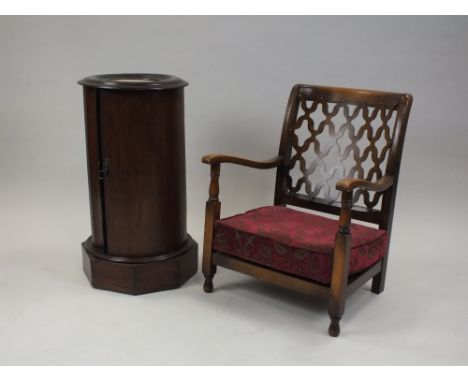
column 142, row 143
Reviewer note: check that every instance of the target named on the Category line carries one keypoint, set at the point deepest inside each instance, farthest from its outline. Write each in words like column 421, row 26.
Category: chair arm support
column 212, row 159
column 349, row 184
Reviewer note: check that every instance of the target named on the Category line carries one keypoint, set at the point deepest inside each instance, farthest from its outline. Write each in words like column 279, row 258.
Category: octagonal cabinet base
column 149, row 274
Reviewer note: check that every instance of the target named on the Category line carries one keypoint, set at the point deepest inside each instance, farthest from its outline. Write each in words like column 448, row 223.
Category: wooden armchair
column 336, row 142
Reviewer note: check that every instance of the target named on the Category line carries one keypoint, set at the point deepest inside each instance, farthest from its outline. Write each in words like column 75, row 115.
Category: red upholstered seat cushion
column 295, row 242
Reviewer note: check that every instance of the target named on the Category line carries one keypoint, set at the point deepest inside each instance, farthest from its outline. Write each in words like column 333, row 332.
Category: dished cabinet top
column 133, row 81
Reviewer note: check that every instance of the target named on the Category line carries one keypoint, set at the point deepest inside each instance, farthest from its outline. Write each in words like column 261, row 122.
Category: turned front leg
column 212, row 213
column 340, row 268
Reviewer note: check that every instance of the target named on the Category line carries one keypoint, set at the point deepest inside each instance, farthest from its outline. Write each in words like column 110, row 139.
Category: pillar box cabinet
column 136, row 173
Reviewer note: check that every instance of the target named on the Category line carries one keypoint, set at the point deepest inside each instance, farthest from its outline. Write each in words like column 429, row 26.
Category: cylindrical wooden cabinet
column 136, row 172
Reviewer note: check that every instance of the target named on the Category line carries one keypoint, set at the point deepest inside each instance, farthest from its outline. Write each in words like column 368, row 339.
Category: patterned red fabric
column 295, row 242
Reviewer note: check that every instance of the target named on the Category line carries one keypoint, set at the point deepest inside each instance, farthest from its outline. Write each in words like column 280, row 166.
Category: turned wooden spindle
column 212, row 213
column 340, row 265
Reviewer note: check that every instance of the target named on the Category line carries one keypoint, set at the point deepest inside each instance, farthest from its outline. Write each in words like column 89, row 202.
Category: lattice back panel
column 333, row 140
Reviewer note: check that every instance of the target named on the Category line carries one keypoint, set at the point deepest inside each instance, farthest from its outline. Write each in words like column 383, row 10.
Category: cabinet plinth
column 137, row 189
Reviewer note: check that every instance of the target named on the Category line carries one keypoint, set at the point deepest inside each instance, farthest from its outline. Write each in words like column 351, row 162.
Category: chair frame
column 342, row 285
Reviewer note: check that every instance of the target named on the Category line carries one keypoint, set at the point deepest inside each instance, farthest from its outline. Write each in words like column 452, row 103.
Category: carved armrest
column 349, row 184
column 213, row 159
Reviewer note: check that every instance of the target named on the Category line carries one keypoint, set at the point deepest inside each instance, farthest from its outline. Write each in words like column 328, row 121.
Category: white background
column 240, row 71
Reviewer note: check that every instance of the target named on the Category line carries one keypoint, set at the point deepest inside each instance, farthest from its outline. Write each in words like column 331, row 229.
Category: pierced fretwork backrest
column 334, row 133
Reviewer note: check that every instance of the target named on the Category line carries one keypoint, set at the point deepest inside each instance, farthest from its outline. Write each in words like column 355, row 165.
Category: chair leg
column 340, row 267
column 208, row 285
column 336, row 307
column 208, row 268
column 378, row 282
column 335, row 311
column 212, row 212
column 334, row 328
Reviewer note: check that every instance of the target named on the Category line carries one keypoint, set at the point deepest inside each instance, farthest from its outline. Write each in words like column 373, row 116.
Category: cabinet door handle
column 103, row 171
